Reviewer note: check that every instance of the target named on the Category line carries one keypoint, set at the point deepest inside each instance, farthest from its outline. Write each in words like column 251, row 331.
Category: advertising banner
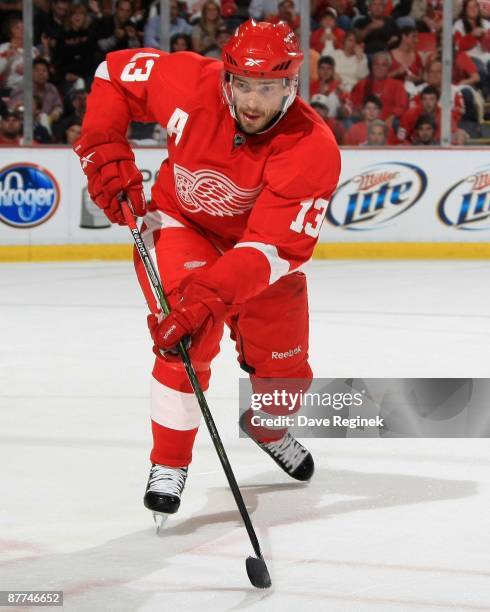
column 384, row 196
column 411, row 195
column 44, row 198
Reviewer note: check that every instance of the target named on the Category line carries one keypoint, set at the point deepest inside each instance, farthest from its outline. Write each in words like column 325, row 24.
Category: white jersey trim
column 279, row 266
column 103, row 71
column 174, row 409
column 156, row 220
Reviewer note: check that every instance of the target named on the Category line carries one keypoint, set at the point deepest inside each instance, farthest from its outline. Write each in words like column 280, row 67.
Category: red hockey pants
column 265, row 328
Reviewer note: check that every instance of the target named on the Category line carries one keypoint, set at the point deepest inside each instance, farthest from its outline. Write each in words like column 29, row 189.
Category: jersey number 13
column 310, row 229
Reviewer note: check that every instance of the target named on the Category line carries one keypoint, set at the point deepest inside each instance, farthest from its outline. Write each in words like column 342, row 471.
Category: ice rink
column 385, row 525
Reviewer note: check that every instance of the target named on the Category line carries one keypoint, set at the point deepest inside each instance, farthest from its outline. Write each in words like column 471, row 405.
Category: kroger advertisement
column 384, row 195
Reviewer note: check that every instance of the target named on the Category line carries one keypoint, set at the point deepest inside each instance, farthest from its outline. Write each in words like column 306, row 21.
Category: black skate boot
column 288, row 453
column 164, row 490
column 291, row 456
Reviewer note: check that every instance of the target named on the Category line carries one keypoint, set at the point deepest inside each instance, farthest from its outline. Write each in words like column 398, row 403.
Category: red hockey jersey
column 265, row 194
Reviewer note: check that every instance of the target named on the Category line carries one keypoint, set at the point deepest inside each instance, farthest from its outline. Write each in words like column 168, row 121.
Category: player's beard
column 254, row 121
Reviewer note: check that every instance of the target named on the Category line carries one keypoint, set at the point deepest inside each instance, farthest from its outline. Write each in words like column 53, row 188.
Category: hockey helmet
column 263, row 50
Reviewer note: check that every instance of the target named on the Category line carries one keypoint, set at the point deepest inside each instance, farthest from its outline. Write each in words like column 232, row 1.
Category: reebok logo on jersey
column 85, row 161
column 213, row 193
column 253, row 62
column 287, row 354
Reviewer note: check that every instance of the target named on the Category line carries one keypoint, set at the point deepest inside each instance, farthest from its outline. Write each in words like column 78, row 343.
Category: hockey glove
column 197, row 309
column 108, row 162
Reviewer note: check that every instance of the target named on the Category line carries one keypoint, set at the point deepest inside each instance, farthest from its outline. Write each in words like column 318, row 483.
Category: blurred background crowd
column 375, row 65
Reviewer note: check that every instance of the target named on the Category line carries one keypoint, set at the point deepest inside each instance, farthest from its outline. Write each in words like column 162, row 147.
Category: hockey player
column 235, row 212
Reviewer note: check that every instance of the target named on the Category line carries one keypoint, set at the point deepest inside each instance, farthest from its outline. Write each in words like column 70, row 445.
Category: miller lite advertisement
column 376, row 195
column 410, row 196
column 466, row 204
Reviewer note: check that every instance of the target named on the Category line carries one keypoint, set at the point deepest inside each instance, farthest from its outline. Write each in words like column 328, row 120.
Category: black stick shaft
column 215, row 437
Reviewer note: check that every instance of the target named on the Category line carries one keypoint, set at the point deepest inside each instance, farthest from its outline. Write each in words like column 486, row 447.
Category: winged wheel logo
column 212, row 192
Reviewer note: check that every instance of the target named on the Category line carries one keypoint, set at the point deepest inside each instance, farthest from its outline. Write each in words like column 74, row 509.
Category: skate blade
column 160, row 519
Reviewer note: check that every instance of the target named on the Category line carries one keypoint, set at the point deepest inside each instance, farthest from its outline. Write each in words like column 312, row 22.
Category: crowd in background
column 375, row 65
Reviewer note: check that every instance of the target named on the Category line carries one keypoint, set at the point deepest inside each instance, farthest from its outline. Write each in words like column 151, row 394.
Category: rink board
column 391, row 203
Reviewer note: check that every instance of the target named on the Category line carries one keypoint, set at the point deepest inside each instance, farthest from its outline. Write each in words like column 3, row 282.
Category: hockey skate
column 288, row 453
column 291, row 456
column 163, row 492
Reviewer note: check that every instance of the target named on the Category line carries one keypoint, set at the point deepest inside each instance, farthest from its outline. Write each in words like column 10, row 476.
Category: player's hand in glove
column 197, row 309
column 108, row 162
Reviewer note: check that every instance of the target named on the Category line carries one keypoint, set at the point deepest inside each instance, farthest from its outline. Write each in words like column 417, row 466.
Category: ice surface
column 385, row 525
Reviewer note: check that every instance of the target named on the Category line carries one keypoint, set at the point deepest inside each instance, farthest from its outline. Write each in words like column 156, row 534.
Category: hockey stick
column 256, row 568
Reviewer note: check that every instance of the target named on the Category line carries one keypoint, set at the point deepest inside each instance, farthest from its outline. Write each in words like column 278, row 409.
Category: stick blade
column 258, row 573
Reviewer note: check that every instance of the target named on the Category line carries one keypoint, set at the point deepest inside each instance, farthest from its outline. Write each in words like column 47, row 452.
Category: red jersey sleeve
column 284, row 224
column 140, row 85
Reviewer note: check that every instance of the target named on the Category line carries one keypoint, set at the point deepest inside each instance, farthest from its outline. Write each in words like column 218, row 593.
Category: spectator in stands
column 415, row 10
column 180, row 42
column 48, row 26
column 377, row 134
column 51, row 103
column 285, row 12
column 328, row 85
column 472, row 34
column 12, row 56
column 376, row 30
column 321, row 104
column 72, row 132
column 350, row 62
column 115, row 32
column 429, row 99
column 358, row 132
column 74, row 53
column 74, row 113
column 193, row 9
column 11, row 129
column 407, row 63
column 222, row 37
column 465, row 78
column 425, row 132
column 433, row 77
column 427, row 15
column 465, row 71
column 261, row 9
column 205, row 31
column 390, row 91
column 41, row 132
column 463, row 108
column 429, row 106
column 345, row 9
column 156, row 135
column 10, row 8
column 178, row 25
column 94, row 11
column 328, row 36
column 314, row 59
